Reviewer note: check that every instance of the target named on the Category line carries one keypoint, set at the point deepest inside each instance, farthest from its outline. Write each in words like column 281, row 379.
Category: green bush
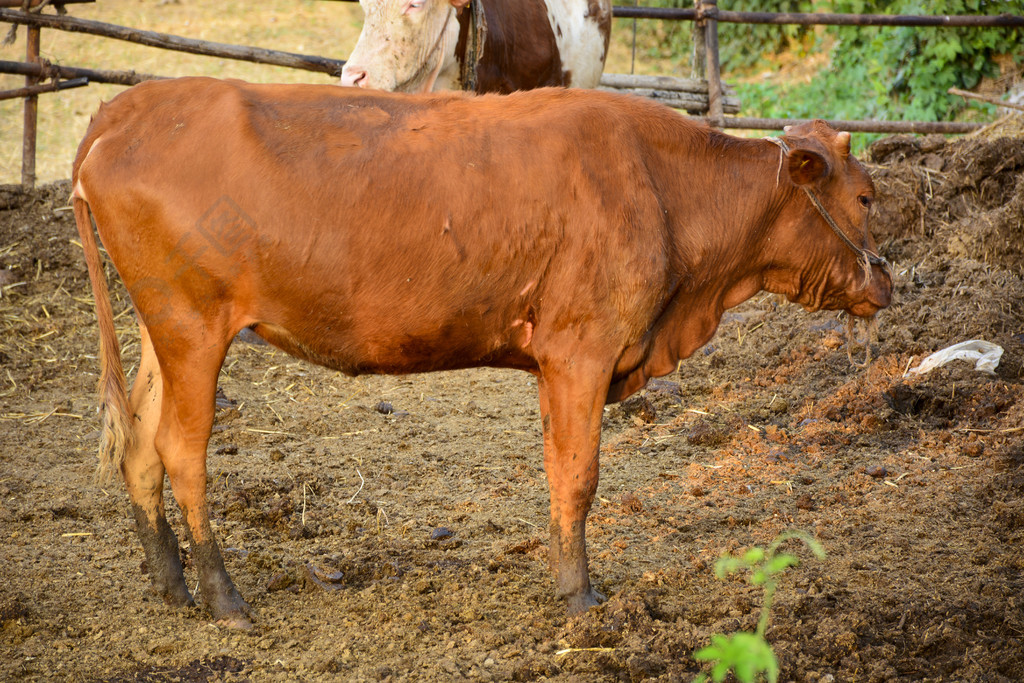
column 885, row 73
column 904, row 73
column 741, row 46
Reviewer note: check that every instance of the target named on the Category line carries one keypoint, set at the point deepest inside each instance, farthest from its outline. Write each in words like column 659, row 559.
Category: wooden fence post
column 28, row 146
column 708, row 12
column 698, row 66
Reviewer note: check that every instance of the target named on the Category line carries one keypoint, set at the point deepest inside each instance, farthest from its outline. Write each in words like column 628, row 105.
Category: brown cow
column 423, row 45
column 591, row 239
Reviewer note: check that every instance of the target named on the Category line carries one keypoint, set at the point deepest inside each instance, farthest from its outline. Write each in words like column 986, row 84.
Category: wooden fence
column 708, row 95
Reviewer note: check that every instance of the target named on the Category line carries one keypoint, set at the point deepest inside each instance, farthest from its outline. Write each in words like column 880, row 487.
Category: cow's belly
column 376, row 313
column 446, row 347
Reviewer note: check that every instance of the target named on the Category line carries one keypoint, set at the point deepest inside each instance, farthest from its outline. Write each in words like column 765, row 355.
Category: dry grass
column 1007, row 126
column 328, row 29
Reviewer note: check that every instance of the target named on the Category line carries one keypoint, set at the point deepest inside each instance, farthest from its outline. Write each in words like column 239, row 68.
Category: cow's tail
column 116, row 433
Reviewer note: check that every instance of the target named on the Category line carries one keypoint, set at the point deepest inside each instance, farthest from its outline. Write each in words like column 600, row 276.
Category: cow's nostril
column 354, row 77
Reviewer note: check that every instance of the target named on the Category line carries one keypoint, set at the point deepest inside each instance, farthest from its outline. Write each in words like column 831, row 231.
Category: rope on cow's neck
column 865, row 258
column 436, row 69
column 477, row 34
column 851, row 338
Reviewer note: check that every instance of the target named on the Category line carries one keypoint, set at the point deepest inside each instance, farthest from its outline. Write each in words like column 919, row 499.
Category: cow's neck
column 720, row 234
column 723, row 217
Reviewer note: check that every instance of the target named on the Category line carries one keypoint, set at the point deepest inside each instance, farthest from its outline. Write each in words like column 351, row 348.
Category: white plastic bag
column 985, row 354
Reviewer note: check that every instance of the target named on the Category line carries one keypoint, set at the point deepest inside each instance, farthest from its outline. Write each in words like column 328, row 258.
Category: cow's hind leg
column 571, row 402
column 190, row 367
column 144, row 478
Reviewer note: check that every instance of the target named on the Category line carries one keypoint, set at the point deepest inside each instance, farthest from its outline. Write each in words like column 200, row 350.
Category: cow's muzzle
column 875, row 290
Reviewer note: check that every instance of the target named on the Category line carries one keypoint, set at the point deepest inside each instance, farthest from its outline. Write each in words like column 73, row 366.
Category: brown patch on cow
column 520, row 50
column 603, row 18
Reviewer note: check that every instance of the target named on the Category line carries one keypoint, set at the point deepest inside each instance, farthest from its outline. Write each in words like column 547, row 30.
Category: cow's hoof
column 578, row 604
column 231, row 611
column 237, row 621
column 179, row 600
column 175, row 595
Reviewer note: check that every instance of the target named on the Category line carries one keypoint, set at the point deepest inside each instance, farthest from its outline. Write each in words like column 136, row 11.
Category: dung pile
column 960, row 198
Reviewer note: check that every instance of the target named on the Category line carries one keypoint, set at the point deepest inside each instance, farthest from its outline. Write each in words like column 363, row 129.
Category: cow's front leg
column 571, row 403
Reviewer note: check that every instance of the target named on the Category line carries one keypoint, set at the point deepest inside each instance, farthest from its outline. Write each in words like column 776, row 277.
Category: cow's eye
column 414, row 5
column 865, row 201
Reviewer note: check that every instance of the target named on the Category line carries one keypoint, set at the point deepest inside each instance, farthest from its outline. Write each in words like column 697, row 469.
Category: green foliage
column 904, row 72
column 754, row 559
column 748, row 655
column 743, row 45
column 884, row 73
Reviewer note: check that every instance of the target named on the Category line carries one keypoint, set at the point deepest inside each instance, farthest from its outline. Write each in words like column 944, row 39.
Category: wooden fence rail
column 812, row 18
column 44, row 88
column 44, row 71
column 923, row 127
column 168, row 41
column 822, row 18
column 36, row 3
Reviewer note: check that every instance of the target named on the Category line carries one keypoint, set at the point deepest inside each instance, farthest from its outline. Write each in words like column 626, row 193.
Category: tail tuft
column 116, row 435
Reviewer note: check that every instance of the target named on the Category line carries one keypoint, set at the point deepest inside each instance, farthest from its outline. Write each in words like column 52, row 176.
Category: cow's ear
column 843, row 144
column 459, row 5
column 806, row 167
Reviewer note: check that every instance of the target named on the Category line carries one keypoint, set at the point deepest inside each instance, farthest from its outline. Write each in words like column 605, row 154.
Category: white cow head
column 406, row 46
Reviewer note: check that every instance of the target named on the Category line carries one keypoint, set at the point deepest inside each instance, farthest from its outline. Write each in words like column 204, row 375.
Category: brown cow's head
column 829, row 258
column 405, row 45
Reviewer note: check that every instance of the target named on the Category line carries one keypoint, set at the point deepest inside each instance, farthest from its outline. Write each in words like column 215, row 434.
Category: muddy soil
column 394, row 528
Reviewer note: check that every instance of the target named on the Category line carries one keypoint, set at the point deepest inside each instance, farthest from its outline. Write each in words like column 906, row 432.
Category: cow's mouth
column 877, row 293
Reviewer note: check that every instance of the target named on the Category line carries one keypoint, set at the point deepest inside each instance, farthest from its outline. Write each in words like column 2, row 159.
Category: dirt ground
column 394, row 528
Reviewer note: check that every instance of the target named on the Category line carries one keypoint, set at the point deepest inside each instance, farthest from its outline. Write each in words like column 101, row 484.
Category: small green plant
column 748, row 655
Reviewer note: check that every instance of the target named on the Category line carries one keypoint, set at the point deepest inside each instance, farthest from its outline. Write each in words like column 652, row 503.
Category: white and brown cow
column 591, row 239
column 425, row 45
